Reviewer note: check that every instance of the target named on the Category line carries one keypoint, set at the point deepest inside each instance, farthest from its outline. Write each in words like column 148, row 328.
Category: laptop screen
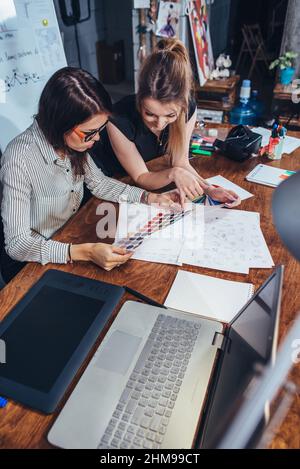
column 250, row 342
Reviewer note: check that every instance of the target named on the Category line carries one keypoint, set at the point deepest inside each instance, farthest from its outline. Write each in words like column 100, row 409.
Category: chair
column 253, row 45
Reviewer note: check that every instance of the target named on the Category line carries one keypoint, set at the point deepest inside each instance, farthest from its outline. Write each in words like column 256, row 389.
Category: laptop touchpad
column 118, row 352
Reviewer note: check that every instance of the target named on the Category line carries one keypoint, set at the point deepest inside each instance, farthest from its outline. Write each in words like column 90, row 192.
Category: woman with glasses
column 43, row 171
column 158, row 121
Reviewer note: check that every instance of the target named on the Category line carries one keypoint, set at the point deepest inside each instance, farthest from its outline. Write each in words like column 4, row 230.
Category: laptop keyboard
column 142, row 415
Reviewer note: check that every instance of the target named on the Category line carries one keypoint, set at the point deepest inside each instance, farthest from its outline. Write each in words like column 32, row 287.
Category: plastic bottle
column 243, row 113
column 256, row 104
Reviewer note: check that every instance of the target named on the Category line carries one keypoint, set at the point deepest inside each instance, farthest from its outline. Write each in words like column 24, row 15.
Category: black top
column 129, row 121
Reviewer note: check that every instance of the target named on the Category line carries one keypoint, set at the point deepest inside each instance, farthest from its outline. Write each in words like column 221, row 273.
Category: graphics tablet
column 49, row 333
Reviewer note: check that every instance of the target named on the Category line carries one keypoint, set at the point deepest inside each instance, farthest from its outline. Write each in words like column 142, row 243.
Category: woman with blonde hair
column 159, row 121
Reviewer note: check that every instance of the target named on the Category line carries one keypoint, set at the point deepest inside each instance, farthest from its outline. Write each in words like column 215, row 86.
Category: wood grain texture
column 24, row 428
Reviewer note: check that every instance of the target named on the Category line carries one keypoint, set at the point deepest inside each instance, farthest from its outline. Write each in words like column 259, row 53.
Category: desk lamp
column 286, row 213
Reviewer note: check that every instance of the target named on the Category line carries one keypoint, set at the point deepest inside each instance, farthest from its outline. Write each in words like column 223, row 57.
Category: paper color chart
column 161, row 220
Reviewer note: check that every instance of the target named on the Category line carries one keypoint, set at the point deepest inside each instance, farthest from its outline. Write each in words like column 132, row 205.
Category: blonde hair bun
column 173, row 45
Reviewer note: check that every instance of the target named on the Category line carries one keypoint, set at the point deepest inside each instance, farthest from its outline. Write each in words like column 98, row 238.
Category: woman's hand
column 169, row 200
column 229, row 198
column 107, row 256
column 187, row 183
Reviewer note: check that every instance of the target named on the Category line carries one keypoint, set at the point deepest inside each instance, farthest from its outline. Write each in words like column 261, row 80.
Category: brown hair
column 166, row 76
column 71, row 96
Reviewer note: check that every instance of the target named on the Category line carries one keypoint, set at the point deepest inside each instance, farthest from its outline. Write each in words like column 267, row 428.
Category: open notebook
column 268, row 175
column 208, row 296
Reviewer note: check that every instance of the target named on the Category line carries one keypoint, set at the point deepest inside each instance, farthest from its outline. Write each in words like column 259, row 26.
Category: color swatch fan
column 157, row 219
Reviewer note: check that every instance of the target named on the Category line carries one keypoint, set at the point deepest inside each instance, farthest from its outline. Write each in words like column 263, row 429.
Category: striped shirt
column 41, row 193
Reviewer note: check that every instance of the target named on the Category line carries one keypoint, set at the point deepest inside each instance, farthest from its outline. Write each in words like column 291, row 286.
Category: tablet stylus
column 144, row 298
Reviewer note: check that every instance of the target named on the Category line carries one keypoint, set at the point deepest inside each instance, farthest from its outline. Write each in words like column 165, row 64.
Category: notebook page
column 208, row 296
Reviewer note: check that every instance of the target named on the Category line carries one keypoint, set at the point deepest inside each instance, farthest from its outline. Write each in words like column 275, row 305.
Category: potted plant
column 285, row 63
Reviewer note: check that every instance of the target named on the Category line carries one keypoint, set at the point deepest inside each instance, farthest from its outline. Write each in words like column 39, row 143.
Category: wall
column 291, row 35
column 89, row 33
column 111, row 20
column 118, row 19
column 219, row 24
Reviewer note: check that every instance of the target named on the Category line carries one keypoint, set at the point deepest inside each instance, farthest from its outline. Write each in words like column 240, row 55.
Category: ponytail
column 166, row 76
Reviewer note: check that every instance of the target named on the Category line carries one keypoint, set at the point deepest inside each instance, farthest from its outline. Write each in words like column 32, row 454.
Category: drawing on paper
column 168, row 19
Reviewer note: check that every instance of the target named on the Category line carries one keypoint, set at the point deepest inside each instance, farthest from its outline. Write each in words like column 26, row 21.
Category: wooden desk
column 23, row 428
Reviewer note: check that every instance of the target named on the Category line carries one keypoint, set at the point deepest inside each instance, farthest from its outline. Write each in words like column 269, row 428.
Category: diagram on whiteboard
column 19, row 79
column 31, row 51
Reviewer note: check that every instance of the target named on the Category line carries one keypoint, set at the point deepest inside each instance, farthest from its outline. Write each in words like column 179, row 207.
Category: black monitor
column 245, row 430
column 250, row 343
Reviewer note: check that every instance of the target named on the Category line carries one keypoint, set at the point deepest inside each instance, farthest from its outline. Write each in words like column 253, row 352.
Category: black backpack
column 240, row 143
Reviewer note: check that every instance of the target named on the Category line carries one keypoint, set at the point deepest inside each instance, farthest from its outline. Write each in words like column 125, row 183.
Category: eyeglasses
column 87, row 136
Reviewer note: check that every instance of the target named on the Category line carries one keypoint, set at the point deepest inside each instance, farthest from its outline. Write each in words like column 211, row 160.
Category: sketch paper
column 212, row 237
column 233, row 242
column 168, row 19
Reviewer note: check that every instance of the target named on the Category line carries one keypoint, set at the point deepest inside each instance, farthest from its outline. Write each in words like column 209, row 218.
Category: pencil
column 144, row 298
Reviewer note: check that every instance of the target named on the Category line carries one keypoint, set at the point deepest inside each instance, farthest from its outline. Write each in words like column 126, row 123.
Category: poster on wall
column 198, row 19
column 168, row 19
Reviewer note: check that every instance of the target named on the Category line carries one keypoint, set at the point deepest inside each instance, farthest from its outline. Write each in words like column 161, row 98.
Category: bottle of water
column 243, row 113
column 256, row 104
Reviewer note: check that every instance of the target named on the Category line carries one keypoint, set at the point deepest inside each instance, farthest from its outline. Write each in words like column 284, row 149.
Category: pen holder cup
column 278, row 150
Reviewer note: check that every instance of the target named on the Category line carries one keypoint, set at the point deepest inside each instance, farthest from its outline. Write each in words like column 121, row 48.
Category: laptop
column 163, row 378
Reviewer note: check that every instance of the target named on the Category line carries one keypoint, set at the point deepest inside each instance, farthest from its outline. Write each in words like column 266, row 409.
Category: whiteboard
column 31, row 51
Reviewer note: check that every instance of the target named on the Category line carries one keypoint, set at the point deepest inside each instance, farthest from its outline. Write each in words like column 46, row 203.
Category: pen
column 205, row 148
column 144, row 298
column 201, row 152
column 201, row 146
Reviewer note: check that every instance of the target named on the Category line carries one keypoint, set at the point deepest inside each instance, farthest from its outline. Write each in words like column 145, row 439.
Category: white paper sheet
column 208, row 296
column 268, row 175
column 212, row 237
column 161, row 251
column 223, row 182
column 233, row 242
column 290, row 143
column 163, row 246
